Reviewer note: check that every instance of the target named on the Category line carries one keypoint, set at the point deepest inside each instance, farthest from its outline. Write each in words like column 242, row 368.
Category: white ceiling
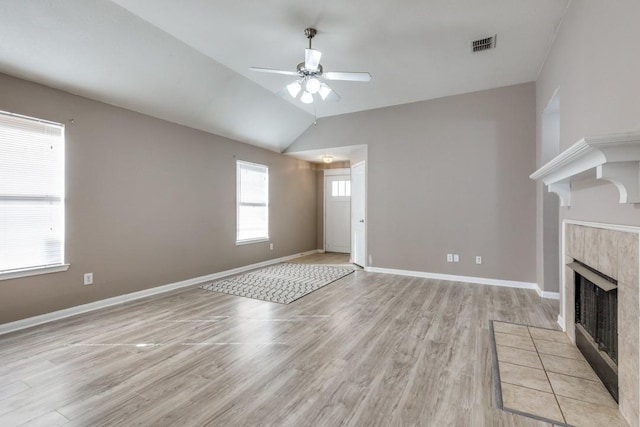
column 188, row 61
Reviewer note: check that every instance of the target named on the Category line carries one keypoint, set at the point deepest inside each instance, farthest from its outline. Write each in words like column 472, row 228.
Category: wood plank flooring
column 367, row 350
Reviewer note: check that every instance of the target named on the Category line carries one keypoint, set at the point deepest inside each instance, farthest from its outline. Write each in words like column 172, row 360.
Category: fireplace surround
column 613, row 251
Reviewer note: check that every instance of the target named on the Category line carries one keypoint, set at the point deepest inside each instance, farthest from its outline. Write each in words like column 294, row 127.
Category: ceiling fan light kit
column 313, row 85
column 306, row 97
column 311, row 76
column 294, row 88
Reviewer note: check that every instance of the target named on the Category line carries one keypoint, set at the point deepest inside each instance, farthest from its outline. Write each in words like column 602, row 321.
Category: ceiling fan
column 310, row 76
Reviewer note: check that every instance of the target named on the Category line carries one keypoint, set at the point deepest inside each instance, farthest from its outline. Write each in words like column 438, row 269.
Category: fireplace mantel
column 614, row 158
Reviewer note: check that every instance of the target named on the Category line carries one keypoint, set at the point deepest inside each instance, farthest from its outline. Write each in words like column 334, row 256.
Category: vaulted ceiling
column 187, row 61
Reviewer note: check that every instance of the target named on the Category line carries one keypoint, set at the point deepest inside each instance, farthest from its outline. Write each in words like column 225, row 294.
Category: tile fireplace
column 600, row 305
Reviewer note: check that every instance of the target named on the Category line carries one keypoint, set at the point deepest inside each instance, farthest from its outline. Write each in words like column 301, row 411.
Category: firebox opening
column 596, row 302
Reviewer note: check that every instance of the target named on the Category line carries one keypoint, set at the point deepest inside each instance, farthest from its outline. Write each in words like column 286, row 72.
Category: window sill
column 248, row 242
column 33, row 271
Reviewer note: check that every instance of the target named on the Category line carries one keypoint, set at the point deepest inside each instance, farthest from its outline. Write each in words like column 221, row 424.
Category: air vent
column 483, row 44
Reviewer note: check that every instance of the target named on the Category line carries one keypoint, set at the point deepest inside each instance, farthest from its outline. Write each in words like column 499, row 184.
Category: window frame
column 62, row 265
column 239, row 168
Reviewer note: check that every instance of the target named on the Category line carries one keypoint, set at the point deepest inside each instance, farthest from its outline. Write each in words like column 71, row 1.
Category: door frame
column 328, row 173
column 365, row 247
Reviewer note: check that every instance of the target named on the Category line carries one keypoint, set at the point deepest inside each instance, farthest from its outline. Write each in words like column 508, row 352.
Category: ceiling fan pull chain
column 315, row 114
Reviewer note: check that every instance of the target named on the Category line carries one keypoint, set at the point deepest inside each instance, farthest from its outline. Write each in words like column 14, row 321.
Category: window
column 31, row 194
column 341, row 188
column 252, row 202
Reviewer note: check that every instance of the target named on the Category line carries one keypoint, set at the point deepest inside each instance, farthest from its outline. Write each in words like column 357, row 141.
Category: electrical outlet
column 478, row 260
column 449, row 257
column 270, row 246
column 456, row 258
column 88, row 278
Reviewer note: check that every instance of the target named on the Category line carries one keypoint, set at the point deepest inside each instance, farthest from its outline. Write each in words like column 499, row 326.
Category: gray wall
column 447, row 176
column 149, row 203
column 595, row 63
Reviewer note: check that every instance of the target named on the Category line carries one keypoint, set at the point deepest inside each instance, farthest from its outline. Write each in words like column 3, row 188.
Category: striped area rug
column 281, row 283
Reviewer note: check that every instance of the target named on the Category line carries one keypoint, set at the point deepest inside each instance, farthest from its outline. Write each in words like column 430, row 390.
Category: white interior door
column 358, row 210
column 338, row 213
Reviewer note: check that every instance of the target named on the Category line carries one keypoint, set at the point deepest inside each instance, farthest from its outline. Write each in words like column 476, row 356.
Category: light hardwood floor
column 367, row 350
column 324, row 258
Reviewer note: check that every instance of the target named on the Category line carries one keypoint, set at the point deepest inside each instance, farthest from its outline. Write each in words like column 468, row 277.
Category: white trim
column 250, row 241
column 614, row 227
column 84, row 308
column 465, row 279
column 562, row 323
column 547, row 295
column 337, row 171
column 367, row 260
column 563, row 275
column 33, row 271
column 615, row 158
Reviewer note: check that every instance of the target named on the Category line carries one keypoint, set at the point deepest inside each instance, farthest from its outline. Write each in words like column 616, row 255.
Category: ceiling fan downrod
column 310, row 33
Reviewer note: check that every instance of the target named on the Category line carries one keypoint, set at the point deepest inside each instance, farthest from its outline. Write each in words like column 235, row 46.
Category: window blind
column 31, row 193
column 252, row 202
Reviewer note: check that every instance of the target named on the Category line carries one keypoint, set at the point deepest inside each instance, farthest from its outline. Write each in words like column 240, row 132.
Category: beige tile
column 510, row 328
column 628, row 313
column 569, row 240
column 628, row 388
column 519, row 357
column 558, row 349
column 523, row 376
column 608, row 253
column 581, row 389
column 628, row 374
column 566, row 366
column 628, row 264
column 584, row 414
column 517, row 341
column 576, row 247
column 628, row 413
column 532, row 402
column 592, row 246
column 549, row 335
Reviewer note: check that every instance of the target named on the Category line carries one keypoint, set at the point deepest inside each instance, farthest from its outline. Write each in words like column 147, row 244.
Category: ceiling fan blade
column 312, row 59
column 347, row 76
column 272, row 71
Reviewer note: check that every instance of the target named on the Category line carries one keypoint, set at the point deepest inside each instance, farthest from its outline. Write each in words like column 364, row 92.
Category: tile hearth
column 543, row 375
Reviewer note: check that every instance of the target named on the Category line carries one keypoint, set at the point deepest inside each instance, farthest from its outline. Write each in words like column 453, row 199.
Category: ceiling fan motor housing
column 303, row 72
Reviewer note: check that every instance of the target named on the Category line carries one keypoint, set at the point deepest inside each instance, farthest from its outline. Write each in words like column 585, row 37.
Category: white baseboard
column 548, row 295
column 561, row 323
column 453, row 278
column 84, row 308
